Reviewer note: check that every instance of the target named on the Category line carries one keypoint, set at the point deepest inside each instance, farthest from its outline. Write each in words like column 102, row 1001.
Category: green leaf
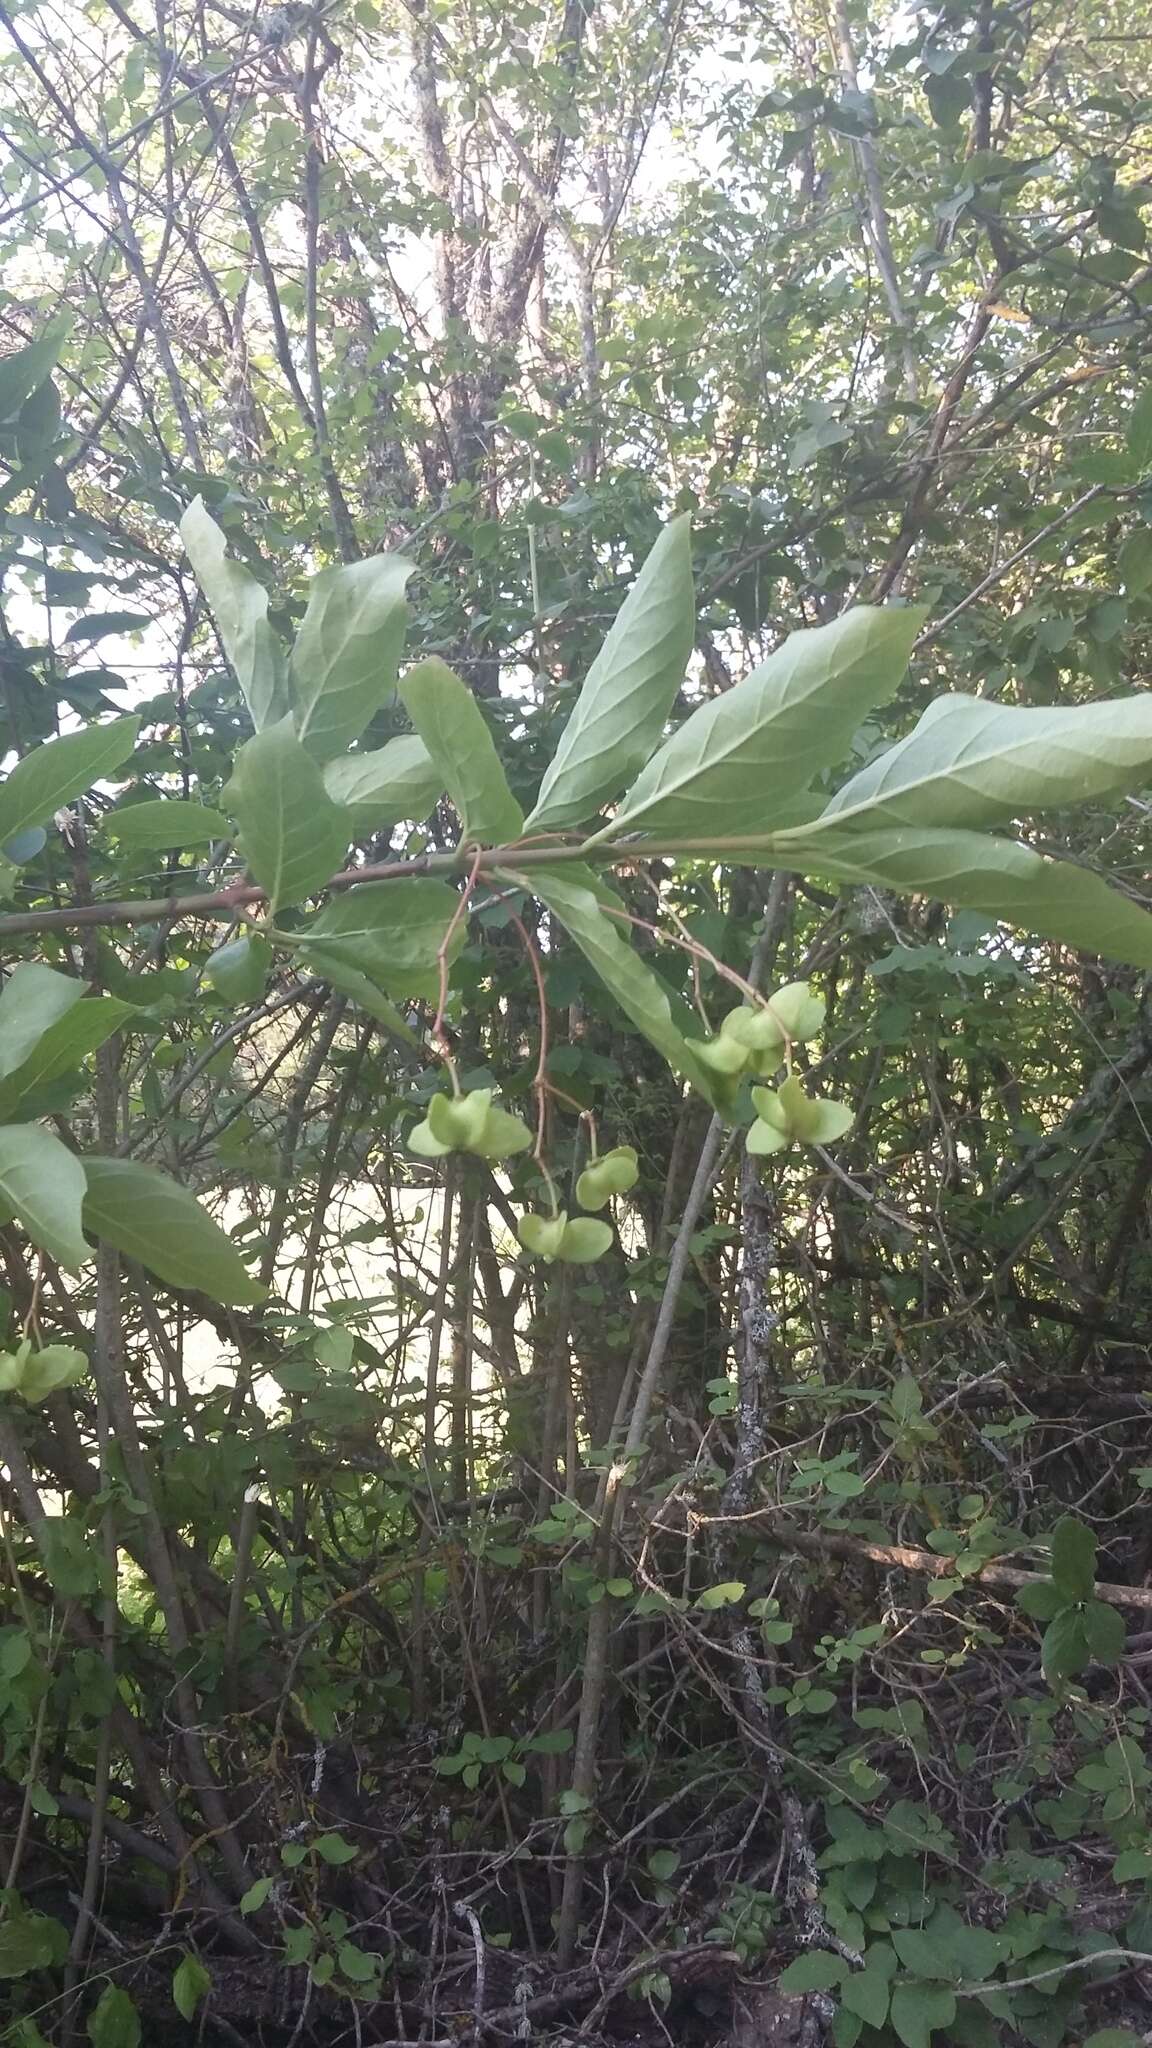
column 33, row 999
column 1104, row 1631
column 138, row 828
column 114, row 2021
column 70, row 1560
column 972, row 762
column 866, row 1993
column 43, row 1184
column 190, row 1983
column 663, row 1863
column 240, row 607
column 975, row 871
column 1073, row 1559
column 292, row 834
column 724, row 1595
column 61, row 1048
column 1064, row 1650
column 360, row 990
column 239, row 970
column 357, row 1964
column 740, row 762
column 924, row 1954
column 334, row 1849
column 391, row 931
column 25, row 1944
column 1139, row 435
column 1114, row 2037
column 640, row 994
column 95, row 626
column 153, row 1219
column 452, row 726
column 347, row 651
column 52, row 775
column 815, row 1971
column 1042, row 1600
column 26, row 369
column 1135, row 563
column 918, row 2010
column 629, row 690
column 397, row 781
column 256, row 1895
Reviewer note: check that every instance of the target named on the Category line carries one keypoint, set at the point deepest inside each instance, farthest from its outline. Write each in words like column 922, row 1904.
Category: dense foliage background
column 351, row 1687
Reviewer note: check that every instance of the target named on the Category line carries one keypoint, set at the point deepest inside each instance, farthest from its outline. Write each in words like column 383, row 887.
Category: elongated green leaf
column 975, row 871
column 293, row 835
column 61, row 1048
column 103, row 625
column 451, row 725
column 741, row 762
column 25, row 369
column 640, row 994
column 43, row 1183
column 240, row 608
column 166, row 822
column 153, row 1219
column 347, row 651
column 973, row 763
column 1073, row 1558
column 390, row 931
column 62, row 769
column 114, row 2021
column 33, row 999
column 364, row 993
column 629, row 690
column 190, row 1983
column 395, row 781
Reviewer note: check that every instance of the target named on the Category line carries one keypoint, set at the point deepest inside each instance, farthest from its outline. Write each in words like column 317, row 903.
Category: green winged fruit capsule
column 468, row 1123
column 57, row 1365
column 724, row 1055
column 612, row 1174
column 501, row 1135
column 574, row 1242
column 758, row 1030
column 787, row 1116
column 542, row 1235
column 585, row 1239
column 799, row 1013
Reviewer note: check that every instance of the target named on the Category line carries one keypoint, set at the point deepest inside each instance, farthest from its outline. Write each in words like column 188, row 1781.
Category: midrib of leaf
column 965, row 763
column 789, row 699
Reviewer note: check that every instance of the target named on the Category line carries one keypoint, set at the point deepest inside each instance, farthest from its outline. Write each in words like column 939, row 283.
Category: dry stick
column 712, row 1155
column 345, row 531
column 293, row 1122
column 907, row 1558
column 435, row 1338
column 1002, row 569
column 107, row 1318
column 864, row 151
